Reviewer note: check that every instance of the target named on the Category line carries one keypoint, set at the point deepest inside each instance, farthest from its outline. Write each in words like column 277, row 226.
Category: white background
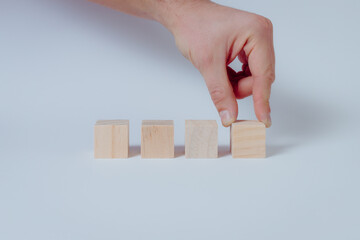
column 64, row 64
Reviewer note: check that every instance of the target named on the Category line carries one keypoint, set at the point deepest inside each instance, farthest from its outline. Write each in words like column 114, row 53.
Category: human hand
column 211, row 36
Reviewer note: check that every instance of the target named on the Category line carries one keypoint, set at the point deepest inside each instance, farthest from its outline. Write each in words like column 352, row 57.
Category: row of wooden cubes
column 157, row 139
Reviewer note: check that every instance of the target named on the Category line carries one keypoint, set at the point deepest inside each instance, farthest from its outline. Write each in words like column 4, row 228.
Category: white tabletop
column 66, row 64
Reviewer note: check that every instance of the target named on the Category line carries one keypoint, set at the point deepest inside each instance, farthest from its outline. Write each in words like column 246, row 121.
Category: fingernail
column 267, row 120
column 226, row 118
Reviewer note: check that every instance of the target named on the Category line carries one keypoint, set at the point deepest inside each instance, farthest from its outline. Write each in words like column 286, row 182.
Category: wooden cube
column 157, row 139
column 201, row 139
column 248, row 139
column 111, row 139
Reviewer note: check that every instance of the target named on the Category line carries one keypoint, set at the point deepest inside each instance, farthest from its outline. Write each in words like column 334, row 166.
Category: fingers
column 261, row 60
column 243, row 88
column 261, row 96
column 221, row 91
column 241, row 82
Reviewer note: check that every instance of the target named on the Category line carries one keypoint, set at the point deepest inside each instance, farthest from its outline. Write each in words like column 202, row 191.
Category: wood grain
column 248, row 139
column 157, row 139
column 111, row 139
column 201, row 139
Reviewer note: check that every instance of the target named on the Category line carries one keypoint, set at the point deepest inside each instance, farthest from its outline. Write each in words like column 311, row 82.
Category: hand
column 211, row 36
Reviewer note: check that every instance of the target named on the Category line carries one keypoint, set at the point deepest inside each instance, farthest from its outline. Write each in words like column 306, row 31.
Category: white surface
column 65, row 64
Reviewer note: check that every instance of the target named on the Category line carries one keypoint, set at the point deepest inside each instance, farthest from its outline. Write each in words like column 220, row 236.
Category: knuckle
column 205, row 59
column 260, row 100
column 217, row 94
column 272, row 80
column 271, row 76
column 268, row 74
column 263, row 24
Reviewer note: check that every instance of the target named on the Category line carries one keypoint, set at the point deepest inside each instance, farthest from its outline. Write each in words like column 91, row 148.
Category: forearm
column 163, row 11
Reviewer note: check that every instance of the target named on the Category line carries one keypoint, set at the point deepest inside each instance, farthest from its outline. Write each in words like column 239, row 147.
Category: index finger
column 261, row 60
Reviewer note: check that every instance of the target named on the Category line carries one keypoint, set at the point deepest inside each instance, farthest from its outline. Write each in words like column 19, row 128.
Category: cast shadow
column 298, row 120
column 179, row 151
column 278, row 149
column 223, row 151
column 134, row 151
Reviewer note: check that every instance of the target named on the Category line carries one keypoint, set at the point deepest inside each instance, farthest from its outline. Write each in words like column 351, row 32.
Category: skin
column 211, row 36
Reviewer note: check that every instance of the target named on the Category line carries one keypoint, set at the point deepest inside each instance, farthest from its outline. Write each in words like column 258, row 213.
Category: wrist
column 171, row 12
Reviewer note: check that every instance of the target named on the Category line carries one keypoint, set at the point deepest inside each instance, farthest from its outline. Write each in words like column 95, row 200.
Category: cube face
column 111, row 139
column 201, row 139
column 248, row 139
column 157, row 139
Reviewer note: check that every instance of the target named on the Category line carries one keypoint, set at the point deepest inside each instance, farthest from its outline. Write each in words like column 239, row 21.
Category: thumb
column 221, row 91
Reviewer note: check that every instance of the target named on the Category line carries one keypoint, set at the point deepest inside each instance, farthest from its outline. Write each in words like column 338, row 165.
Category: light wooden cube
column 157, row 139
column 111, row 139
column 201, row 139
column 248, row 139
